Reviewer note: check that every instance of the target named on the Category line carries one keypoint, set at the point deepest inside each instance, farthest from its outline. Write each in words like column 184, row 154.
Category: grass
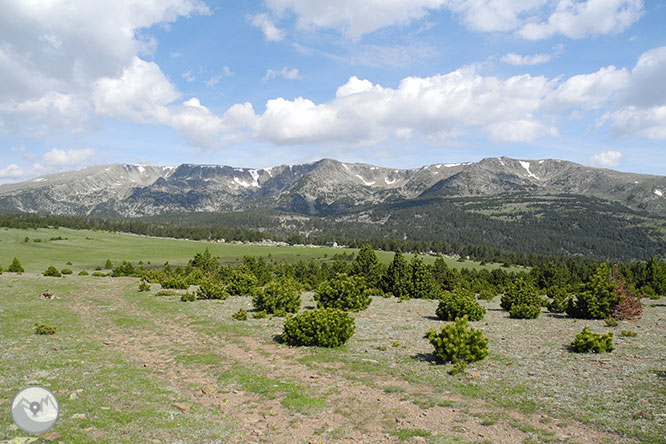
column 88, row 249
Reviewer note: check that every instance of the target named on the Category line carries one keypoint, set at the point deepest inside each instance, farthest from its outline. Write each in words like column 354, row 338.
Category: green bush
column 240, row 315
column 524, row 311
column 588, row 342
column 188, row 297
column 83, row 273
column 283, row 295
column 487, row 294
column 212, row 290
column 144, row 286
column 610, row 322
column 520, row 292
column 458, row 343
column 260, row 314
column 1, row 269
column 322, row 327
column 241, row 282
column 108, row 265
column 597, row 297
column 349, row 293
column 98, row 274
column 66, row 271
column 52, row 271
column 174, row 282
column 41, row 329
column 628, row 333
column 559, row 299
column 458, row 303
column 15, row 267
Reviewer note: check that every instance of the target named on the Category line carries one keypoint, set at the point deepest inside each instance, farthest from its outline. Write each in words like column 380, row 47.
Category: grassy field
column 130, row 367
column 89, row 249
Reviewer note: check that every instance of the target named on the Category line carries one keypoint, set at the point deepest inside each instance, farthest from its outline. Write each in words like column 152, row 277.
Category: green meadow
column 87, row 249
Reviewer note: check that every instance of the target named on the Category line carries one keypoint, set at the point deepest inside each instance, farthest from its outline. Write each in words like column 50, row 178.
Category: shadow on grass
column 661, row 374
column 424, row 357
column 278, row 339
column 432, row 318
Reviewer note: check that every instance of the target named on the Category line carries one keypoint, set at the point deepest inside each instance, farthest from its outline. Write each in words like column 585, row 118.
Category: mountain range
column 450, row 201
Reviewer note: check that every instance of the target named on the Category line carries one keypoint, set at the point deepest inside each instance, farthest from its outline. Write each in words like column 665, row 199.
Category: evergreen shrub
column 458, row 303
column 322, row 327
column 588, row 342
column 278, row 297
column 458, row 343
column 52, row 272
column 349, row 293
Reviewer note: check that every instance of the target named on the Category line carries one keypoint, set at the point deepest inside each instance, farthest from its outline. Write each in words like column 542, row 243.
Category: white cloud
column 271, row 32
column 608, row 159
column 286, row 73
column 140, row 94
column 12, row 171
column 532, row 19
column 352, row 17
column 516, row 59
column 188, row 76
column 648, row 87
column 60, row 158
column 53, row 54
column 226, row 72
column 633, row 121
column 589, row 91
column 582, row 19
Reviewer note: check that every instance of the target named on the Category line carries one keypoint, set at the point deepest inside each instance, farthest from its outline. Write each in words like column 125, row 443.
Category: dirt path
column 359, row 413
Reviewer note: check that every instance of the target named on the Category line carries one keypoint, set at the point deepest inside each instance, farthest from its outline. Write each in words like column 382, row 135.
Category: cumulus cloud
column 531, row 19
column 52, row 55
column 285, row 73
column 589, row 91
column 60, row 158
column 608, row 159
column 582, row 19
column 516, row 59
column 12, row 171
column 264, row 22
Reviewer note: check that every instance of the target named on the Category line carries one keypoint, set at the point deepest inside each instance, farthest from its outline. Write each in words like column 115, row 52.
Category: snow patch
column 390, row 181
column 345, row 165
column 241, row 182
column 635, row 181
column 526, row 165
column 438, row 166
column 502, row 163
column 239, row 169
column 364, row 181
column 451, row 165
column 170, row 167
column 255, row 178
column 373, row 168
column 141, row 169
column 268, row 170
column 659, row 193
column 541, row 161
column 41, row 179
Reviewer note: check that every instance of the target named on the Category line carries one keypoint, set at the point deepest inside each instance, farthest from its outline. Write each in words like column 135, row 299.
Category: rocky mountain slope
column 320, row 188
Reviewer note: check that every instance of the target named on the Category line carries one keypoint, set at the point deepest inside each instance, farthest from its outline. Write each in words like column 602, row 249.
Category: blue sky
column 399, row 83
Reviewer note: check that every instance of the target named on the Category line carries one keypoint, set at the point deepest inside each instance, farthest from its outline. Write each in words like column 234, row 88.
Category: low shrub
column 98, row 274
column 188, row 297
column 241, row 282
column 610, row 322
column 15, row 267
column 458, row 343
column 520, row 292
column 240, row 315
column 628, row 333
column 174, row 282
column 212, row 290
column 487, row 294
column 322, row 327
column 278, row 297
column 349, row 293
column 588, row 342
column 559, row 299
column 66, row 271
column 524, row 311
column 260, row 314
column 83, row 273
column 596, row 297
column 52, row 272
column 168, row 293
column 144, row 286
column 458, row 303
column 41, row 329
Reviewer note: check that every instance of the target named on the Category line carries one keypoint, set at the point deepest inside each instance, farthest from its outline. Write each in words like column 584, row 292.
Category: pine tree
column 422, row 284
column 367, row 266
column 15, row 267
column 108, row 265
column 446, row 277
column 656, row 276
column 396, row 279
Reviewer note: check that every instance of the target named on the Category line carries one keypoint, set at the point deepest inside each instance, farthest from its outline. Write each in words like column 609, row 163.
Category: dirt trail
column 360, row 413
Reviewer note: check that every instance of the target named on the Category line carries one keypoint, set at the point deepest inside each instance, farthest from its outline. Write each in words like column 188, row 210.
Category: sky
column 395, row 83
